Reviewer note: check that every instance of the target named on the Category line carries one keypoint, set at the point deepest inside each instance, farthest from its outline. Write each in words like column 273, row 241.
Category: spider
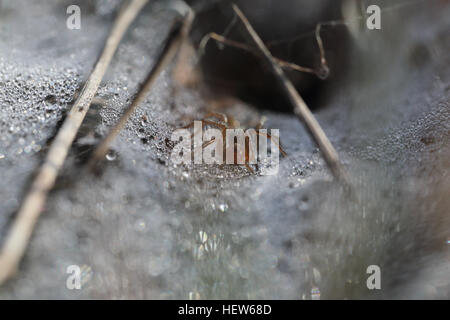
column 228, row 122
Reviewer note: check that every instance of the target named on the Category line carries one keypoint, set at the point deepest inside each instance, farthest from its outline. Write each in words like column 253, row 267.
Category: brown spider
column 229, row 122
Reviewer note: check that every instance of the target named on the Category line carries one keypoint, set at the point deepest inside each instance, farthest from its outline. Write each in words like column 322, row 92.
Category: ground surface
column 147, row 229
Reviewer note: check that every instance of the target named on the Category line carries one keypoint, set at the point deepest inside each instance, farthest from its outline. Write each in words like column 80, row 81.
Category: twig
column 23, row 225
column 324, row 69
column 300, row 108
column 172, row 45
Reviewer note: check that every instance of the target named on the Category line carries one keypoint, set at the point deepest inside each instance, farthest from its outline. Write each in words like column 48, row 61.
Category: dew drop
column 111, row 155
column 223, row 207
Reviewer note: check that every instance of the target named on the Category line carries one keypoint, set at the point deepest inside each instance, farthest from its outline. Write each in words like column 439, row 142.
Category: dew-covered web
column 147, row 229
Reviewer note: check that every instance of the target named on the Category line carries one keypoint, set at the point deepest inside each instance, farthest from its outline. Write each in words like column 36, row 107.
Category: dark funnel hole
column 235, row 72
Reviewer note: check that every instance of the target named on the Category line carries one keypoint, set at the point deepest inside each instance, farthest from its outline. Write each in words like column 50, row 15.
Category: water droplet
column 157, row 265
column 111, row 155
column 303, row 205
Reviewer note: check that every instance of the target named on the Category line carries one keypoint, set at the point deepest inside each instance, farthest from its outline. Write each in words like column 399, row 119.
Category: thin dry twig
column 23, row 225
column 300, row 108
column 173, row 43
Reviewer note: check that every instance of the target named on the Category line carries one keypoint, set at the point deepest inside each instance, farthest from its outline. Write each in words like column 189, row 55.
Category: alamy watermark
column 374, row 280
column 249, row 147
column 78, row 276
column 73, row 22
column 373, row 21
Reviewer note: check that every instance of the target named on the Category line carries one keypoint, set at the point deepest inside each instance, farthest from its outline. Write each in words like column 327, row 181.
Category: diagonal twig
column 173, row 43
column 300, row 108
column 23, row 225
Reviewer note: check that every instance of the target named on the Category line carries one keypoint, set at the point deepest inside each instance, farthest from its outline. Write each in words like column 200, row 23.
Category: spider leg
column 261, row 123
column 207, row 143
column 222, row 117
column 221, row 39
column 206, row 122
column 190, row 125
column 214, row 124
column 270, row 137
column 211, row 123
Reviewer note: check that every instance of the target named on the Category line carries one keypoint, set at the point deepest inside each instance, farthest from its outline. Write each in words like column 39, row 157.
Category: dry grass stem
column 22, row 227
